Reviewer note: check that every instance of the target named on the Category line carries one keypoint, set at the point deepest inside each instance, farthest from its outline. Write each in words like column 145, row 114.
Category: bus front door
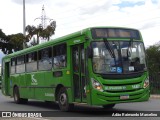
column 79, row 78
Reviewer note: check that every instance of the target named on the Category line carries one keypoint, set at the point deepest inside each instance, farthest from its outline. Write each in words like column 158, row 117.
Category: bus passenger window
column 59, row 56
column 20, row 65
column 13, row 63
column 31, row 62
column 45, row 59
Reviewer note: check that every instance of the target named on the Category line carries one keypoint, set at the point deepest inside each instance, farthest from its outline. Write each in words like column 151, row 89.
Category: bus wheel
column 108, row 106
column 16, row 95
column 17, row 98
column 63, row 100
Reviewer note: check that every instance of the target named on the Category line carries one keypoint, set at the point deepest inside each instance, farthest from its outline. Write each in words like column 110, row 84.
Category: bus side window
column 31, row 62
column 13, row 63
column 45, row 59
column 20, row 65
column 59, row 56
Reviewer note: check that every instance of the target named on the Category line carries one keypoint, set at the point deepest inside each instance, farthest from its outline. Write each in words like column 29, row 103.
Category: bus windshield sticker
column 119, row 70
column 113, row 69
column 131, row 68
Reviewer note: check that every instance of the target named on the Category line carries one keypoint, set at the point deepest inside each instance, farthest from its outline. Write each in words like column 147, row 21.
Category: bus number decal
column 136, row 86
column 77, row 41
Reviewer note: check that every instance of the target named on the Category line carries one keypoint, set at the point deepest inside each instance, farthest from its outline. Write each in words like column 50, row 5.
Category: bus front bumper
column 104, row 98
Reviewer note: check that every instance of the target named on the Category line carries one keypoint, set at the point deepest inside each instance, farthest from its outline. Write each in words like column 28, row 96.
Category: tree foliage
column 11, row 43
column 153, row 58
column 2, row 35
column 40, row 32
column 17, row 41
column 14, row 42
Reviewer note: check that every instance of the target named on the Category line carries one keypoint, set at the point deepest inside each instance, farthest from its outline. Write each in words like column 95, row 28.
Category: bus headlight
column 146, row 83
column 96, row 85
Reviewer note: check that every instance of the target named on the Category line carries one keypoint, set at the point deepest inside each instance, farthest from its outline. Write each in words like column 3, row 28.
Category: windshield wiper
column 130, row 43
column 108, row 46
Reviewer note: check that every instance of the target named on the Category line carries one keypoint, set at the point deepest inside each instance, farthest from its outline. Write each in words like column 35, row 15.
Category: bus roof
column 57, row 40
column 52, row 41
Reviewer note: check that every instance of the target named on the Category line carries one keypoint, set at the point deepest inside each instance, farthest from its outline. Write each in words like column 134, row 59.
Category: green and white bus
column 100, row 66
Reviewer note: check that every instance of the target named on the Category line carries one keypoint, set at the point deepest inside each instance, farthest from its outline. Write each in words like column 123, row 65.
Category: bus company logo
column 6, row 114
column 34, row 81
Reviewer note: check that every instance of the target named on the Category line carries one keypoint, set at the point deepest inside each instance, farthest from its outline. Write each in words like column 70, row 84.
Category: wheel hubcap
column 15, row 97
column 63, row 98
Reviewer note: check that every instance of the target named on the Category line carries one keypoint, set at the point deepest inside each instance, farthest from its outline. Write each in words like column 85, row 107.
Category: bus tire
column 17, row 98
column 109, row 106
column 63, row 100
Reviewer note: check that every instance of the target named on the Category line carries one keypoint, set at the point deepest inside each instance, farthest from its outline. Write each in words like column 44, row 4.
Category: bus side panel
column 22, row 88
column 30, row 89
column 5, row 79
column 12, row 82
column 65, row 80
column 39, row 85
column 49, row 84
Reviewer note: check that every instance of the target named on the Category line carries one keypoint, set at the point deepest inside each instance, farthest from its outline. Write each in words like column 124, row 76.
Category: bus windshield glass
column 118, row 57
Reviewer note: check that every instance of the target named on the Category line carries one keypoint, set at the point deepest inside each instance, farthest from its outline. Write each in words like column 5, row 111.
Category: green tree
column 49, row 31
column 31, row 31
column 40, row 32
column 2, row 35
column 5, row 46
column 11, row 43
column 16, row 40
column 153, row 58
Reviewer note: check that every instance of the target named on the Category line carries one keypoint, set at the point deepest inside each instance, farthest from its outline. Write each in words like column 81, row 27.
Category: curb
column 155, row 96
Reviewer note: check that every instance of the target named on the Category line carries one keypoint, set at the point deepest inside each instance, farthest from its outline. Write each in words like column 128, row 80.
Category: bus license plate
column 124, row 97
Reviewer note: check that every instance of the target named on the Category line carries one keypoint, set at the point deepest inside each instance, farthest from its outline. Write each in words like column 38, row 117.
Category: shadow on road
column 50, row 109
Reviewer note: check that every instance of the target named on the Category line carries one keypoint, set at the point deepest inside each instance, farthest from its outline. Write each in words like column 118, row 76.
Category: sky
column 73, row 15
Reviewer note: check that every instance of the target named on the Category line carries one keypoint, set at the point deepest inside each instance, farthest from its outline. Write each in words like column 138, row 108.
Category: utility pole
column 43, row 18
column 24, row 24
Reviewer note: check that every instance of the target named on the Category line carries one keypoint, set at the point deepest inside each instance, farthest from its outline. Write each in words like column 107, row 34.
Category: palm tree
column 49, row 31
column 38, row 31
column 30, row 30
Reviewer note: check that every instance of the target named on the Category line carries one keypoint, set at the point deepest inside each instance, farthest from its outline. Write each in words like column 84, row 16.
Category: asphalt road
column 81, row 111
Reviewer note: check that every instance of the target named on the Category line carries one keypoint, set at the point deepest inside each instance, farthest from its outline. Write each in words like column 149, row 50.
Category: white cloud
column 72, row 15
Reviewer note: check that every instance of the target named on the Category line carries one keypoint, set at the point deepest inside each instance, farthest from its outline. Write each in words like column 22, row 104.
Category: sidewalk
column 155, row 96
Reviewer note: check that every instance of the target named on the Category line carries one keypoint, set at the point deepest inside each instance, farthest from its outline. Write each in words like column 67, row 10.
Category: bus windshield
column 118, row 57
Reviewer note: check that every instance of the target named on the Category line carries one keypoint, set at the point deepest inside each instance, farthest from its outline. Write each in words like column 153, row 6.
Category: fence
column 154, row 79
